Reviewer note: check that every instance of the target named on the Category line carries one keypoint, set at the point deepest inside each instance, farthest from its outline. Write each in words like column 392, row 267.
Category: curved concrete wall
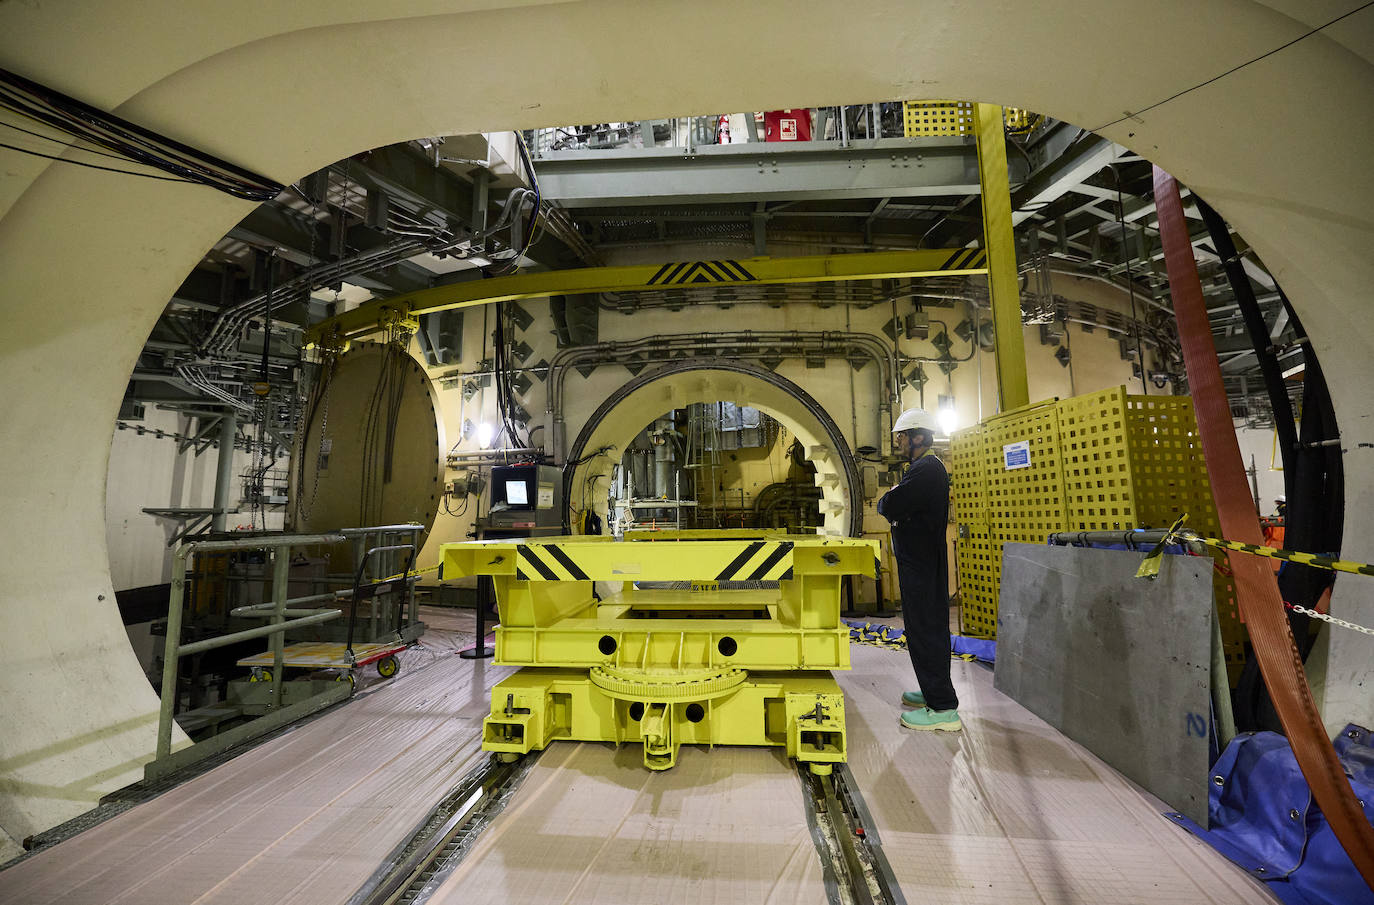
column 88, row 259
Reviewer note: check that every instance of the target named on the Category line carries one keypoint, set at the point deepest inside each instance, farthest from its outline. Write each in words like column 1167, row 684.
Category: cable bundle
column 127, row 140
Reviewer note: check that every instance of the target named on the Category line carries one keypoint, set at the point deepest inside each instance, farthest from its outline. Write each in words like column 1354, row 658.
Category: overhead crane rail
column 879, row 265
column 669, row 667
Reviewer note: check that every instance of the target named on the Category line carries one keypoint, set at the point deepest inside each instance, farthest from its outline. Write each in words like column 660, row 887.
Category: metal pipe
column 281, row 574
column 486, row 455
column 795, row 341
column 409, row 528
column 170, row 652
column 224, row 473
column 259, row 543
column 1221, row 688
column 1131, row 538
column 260, row 631
column 270, row 613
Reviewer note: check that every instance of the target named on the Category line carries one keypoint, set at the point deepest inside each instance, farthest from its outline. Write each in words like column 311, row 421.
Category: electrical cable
column 129, row 140
column 1130, row 280
column 56, row 140
column 1234, row 69
column 93, row 166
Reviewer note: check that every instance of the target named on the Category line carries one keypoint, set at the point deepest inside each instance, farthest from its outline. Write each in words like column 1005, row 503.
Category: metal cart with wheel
column 348, row 657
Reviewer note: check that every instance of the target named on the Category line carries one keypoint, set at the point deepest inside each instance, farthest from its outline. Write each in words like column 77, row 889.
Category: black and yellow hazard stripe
column 547, row 562
column 1176, row 534
column 684, row 272
column 966, row 259
column 1306, row 559
column 760, row 561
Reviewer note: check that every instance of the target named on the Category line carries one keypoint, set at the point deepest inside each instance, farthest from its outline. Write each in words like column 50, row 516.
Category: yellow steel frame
column 879, row 265
column 666, row 667
column 1012, row 389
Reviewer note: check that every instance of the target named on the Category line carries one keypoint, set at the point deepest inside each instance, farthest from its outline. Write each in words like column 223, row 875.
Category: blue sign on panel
column 1016, row 455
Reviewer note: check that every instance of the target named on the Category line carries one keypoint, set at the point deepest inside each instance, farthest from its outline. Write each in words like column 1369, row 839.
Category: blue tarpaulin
column 1264, row 819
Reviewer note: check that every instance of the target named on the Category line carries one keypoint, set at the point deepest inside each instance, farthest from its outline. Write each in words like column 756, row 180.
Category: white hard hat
column 914, row 419
column 1280, row 499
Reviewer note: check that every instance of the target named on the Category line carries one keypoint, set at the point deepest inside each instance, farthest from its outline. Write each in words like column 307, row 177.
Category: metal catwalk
column 1008, row 811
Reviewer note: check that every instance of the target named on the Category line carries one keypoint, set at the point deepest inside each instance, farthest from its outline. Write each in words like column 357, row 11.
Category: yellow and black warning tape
column 1149, row 568
column 412, row 572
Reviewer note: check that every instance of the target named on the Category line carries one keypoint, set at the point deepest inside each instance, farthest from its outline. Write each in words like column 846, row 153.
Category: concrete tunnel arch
column 626, row 411
column 196, row 71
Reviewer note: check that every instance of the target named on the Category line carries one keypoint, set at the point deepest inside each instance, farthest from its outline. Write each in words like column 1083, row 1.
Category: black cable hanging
column 129, row 140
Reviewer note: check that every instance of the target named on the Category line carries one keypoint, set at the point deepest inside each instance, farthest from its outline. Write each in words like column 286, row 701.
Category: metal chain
column 1331, row 619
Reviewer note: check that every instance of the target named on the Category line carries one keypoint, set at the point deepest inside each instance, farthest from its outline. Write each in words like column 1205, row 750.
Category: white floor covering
column 303, row 818
column 1008, row 811
column 591, row 825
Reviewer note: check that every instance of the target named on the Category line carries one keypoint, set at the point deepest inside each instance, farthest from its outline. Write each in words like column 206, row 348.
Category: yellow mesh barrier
column 1103, row 461
column 923, row 119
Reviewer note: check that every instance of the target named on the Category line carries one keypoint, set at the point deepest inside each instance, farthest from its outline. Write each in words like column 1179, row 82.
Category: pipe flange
column 666, row 685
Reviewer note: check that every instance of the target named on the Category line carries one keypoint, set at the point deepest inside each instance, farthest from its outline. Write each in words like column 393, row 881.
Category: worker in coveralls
column 918, row 508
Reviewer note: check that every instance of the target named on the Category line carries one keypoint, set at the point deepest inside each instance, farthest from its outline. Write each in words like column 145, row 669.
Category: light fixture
column 947, row 417
column 485, row 434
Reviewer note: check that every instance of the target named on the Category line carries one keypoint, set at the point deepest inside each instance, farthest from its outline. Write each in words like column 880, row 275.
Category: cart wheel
column 348, row 677
column 387, row 667
column 260, row 674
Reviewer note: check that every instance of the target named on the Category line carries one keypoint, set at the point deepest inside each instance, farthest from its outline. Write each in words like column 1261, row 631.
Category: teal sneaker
column 913, row 699
column 939, row 720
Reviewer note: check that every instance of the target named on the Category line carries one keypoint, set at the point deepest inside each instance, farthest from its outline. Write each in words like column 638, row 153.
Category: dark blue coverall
column 918, row 508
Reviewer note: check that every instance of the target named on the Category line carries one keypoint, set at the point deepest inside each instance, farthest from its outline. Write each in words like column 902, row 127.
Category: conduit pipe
column 745, row 344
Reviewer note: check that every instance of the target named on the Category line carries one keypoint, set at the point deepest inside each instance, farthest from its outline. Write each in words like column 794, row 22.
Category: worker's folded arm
column 917, row 495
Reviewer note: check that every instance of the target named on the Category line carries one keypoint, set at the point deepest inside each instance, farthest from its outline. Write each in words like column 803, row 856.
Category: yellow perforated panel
column 1100, row 461
column 976, row 563
column 932, row 118
column 925, row 118
column 1097, row 462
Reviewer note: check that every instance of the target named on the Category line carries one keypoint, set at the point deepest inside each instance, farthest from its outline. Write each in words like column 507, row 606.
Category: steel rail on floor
column 417, row 867
column 854, row 865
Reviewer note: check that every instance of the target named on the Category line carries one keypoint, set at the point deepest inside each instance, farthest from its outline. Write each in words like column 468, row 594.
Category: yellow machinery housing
column 690, row 663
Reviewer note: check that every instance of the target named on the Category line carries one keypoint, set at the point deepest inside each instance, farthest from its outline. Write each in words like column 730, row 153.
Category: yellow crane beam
column 878, row 265
column 1003, row 282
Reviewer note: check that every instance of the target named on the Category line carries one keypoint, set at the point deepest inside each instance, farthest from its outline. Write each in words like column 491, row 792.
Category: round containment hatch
column 645, row 397
column 372, row 445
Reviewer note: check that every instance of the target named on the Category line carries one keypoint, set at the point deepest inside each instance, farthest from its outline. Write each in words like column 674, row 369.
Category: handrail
column 174, row 651
column 357, row 585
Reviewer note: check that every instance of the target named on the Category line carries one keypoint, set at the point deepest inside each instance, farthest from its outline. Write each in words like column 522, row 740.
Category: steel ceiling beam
column 771, row 171
column 1082, row 158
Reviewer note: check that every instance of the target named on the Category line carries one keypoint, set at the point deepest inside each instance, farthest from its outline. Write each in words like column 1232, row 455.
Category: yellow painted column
column 1001, row 248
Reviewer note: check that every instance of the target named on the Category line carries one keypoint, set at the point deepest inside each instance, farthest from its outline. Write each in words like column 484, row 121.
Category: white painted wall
column 1258, row 445
column 145, row 471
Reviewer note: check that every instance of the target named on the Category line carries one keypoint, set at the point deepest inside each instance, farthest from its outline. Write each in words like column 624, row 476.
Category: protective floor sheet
column 303, row 818
column 1009, row 811
column 590, row 824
